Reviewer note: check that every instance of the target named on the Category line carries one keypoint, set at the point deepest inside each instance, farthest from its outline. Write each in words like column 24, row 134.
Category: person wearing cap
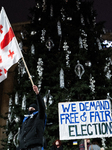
column 31, row 133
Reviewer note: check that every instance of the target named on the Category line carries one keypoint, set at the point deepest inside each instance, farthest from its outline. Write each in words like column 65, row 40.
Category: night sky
column 18, row 10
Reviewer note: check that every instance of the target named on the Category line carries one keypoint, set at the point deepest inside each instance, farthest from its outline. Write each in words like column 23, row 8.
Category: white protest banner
column 87, row 119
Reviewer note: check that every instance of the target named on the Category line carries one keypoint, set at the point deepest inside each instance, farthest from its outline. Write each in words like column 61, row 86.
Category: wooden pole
column 27, row 71
column 85, row 142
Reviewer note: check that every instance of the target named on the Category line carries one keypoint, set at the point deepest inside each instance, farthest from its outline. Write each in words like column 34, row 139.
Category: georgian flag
column 9, row 49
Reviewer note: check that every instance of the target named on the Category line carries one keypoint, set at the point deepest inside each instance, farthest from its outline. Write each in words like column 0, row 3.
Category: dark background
column 18, row 10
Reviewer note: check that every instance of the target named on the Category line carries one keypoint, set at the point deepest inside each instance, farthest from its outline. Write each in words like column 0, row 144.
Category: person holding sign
column 31, row 133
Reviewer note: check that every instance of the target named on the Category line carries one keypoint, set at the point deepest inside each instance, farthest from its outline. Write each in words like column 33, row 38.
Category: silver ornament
column 79, row 69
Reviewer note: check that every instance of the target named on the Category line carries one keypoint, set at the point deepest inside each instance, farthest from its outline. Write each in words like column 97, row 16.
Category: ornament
column 67, row 54
column 49, row 44
column 16, row 138
column 62, row 84
column 10, row 107
column 39, row 19
column 80, row 43
column 108, row 96
column 21, row 46
column 40, row 72
column 82, row 20
column 65, row 47
column 33, row 32
column 79, row 69
column 21, row 68
column 10, row 101
column 94, row 21
column 59, row 33
column 88, row 64
column 32, row 49
column 16, row 98
column 10, row 137
column 67, row 58
column 78, row 4
column 45, row 101
column 51, row 11
column 17, row 119
column 84, row 40
column 62, row 13
column 38, row 5
column 24, row 103
column 43, row 36
column 103, row 143
column 22, row 35
column 44, row 5
column 92, row 86
column 99, row 44
column 48, row 98
column 69, row 18
column 107, row 68
column 59, row 28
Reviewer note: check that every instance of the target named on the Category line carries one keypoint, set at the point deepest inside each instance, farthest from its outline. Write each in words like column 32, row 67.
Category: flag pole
column 27, row 71
column 24, row 63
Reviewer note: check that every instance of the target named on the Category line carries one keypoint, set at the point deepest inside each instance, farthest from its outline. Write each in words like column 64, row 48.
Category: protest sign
column 87, row 119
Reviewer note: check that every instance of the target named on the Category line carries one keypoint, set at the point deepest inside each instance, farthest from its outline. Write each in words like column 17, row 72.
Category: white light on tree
column 10, row 106
column 43, row 36
column 62, row 13
column 82, row 20
column 10, row 137
column 65, row 47
column 32, row 49
column 78, row 4
column 84, row 40
column 62, row 84
column 24, row 103
column 80, row 43
column 107, row 68
column 40, row 72
column 59, row 28
column 99, row 44
column 16, row 98
column 92, row 84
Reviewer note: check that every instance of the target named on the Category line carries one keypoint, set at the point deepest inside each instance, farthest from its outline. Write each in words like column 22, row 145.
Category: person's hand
column 35, row 88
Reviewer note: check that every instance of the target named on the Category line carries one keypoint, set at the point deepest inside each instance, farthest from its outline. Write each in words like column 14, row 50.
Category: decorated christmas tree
column 63, row 50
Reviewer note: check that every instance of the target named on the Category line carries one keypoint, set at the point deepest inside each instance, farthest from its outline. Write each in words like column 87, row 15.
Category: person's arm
column 40, row 102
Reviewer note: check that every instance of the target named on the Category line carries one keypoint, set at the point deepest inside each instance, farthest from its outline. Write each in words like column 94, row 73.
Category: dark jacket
column 55, row 148
column 32, row 130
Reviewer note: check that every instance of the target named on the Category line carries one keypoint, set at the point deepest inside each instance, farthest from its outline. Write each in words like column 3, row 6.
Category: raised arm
column 40, row 102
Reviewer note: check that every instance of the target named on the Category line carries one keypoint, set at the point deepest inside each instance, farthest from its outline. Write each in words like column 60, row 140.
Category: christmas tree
column 63, row 50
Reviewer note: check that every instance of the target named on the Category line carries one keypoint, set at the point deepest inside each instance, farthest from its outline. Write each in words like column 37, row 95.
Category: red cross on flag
column 9, row 49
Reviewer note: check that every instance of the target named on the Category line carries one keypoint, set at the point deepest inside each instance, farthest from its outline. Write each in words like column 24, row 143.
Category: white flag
column 9, row 49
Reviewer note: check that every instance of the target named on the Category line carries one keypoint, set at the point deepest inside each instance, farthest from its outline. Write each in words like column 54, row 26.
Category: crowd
column 93, row 145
